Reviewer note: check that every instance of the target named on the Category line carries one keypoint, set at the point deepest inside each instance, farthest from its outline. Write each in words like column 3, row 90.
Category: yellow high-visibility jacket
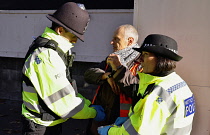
column 47, row 73
column 168, row 109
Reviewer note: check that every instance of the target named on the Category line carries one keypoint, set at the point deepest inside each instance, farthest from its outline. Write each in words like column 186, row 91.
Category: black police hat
column 72, row 18
column 161, row 45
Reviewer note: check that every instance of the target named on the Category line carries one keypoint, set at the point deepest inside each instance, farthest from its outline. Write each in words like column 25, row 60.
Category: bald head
column 129, row 31
column 124, row 36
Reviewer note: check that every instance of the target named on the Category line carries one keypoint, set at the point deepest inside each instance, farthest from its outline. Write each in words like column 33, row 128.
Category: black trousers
column 31, row 128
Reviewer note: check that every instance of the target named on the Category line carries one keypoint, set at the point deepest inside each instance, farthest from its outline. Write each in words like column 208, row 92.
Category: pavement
column 10, row 117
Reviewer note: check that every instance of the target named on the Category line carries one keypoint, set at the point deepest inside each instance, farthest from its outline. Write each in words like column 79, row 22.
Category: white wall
column 18, row 26
column 188, row 22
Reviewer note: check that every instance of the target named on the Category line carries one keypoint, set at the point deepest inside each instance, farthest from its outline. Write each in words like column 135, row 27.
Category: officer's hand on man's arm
column 120, row 120
column 100, row 115
column 103, row 130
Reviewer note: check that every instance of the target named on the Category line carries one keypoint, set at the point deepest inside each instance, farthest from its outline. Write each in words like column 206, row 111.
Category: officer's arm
column 55, row 90
column 93, row 75
column 149, row 117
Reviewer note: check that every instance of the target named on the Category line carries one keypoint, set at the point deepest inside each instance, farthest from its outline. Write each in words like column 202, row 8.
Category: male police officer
column 48, row 96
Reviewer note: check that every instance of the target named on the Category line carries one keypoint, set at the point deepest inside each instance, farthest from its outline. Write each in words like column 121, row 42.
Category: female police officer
column 163, row 103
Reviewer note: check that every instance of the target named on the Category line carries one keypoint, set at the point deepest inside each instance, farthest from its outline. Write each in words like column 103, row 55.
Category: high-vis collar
column 145, row 80
column 63, row 43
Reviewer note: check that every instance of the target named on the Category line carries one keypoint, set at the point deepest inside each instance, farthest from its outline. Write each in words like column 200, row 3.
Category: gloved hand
column 100, row 115
column 120, row 120
column 103, row 130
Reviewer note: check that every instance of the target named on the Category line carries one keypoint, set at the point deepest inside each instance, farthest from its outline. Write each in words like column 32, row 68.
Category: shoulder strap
column 38, row 42
column 149, row 89
column 46, row 113
column 41, row 42
column 136, row 98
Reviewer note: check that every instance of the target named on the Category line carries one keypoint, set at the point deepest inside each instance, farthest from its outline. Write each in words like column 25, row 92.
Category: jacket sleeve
column 125, row 80
column 87, row 102
column 149, row 117
column 48, row 75
column 93, row 74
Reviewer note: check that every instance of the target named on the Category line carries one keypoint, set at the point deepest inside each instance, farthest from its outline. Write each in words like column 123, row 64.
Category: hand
column 120, row 120
column 114, row 86
column 100, row 115
column 105, row 75
column 114, row 61
column 103, row 130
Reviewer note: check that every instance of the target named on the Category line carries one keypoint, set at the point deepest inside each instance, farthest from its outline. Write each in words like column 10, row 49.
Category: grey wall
column 18, row 27
column 188, row 22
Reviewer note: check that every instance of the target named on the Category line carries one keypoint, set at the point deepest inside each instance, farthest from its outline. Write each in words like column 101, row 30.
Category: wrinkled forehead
column 119, row 32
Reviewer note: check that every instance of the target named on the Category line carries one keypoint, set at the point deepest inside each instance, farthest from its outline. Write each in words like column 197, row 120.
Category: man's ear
column 59, row 30
column 130, row 41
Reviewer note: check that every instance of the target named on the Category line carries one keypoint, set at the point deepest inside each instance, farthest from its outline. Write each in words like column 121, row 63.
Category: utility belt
column 44, row 115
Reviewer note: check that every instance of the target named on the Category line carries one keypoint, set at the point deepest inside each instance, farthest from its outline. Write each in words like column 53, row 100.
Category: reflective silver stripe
column 179, row 131
column 129, row 128
column 74, row 111
column 173, row 109
column 32, row 107
column 59, row 94
column 28, row 88
column 24, row 68
column 130, row 114
column 166, row 97
column 125, row 106
column 32, row 57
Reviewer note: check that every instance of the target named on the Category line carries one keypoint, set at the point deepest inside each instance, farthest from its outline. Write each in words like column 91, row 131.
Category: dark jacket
column 106, row 97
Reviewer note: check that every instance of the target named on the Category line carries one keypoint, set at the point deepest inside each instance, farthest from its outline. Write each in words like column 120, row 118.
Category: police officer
column 48, row 96
column 163, row 102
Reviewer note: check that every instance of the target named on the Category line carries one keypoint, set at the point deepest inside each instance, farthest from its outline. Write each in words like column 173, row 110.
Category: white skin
column 67, row 35
column 118, row 42
column 148, row 62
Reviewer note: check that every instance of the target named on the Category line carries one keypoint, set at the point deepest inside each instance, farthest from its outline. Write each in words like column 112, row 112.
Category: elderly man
column 108, row 94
